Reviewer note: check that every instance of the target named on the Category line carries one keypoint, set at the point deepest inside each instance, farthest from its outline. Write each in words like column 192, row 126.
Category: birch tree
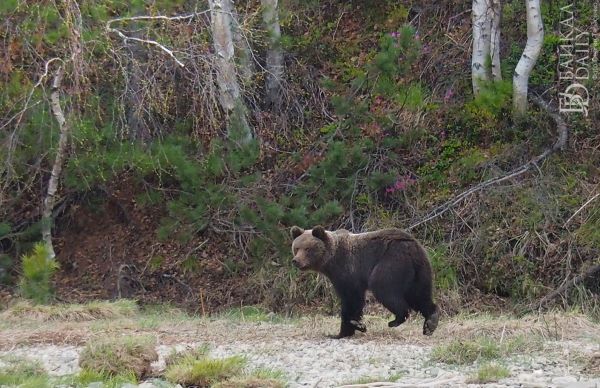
column 74, row 24
column 230, row 96
column 61, row 151
column 134, row 101
column 535, row 40
column 496, row 15
column 481, row 44
column 274, row 64
column 485, row 63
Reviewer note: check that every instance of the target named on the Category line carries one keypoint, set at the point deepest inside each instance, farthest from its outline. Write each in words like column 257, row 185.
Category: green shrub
column 203, row 371
column 489, row 373
column 23, row 373
column 125, row 356
column 86, row 377
column 462, row 352
column 467, row 351
column 37, row 270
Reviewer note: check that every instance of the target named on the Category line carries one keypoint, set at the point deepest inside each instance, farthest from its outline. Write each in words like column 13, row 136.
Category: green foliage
column 37, row 271
column 396, row 54
column 443, row 269
column 252, row 314
column 23, row 373
column 494, row 97
column 466, row 166
column 466, row 352
column 462, row 352
column 436, row 170
column 192, row 370
column 489, row 373
column 85, row 377
column 589, row 232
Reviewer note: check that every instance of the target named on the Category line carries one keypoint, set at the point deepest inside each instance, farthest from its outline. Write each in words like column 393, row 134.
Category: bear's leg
column 398, row 320
column 389, row 293
column 397, row 305
column 353, row 303
column 432, row 317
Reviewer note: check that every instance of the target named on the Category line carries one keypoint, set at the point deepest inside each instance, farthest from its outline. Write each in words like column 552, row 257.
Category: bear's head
column 311, row 248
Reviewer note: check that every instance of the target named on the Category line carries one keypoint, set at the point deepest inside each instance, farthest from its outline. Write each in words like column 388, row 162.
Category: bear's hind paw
column 359, row 326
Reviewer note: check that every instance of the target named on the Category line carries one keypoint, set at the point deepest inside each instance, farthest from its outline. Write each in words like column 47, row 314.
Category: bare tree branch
column 148, row 41
column 580, row 209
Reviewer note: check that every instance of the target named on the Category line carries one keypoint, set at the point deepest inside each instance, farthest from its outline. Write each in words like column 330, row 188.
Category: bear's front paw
column 430, row 324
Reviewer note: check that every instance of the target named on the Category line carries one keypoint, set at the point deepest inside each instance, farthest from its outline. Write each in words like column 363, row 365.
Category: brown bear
column 389, row 262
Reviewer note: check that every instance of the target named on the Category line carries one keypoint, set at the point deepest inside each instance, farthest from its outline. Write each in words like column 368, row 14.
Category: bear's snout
column 297, row 263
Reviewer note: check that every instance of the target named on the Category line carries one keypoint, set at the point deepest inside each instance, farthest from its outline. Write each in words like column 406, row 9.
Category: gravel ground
column 309, row 359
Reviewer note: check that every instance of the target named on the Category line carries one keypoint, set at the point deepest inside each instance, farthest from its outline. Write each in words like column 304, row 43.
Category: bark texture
column 275, row 65
column 61, row 151
column 496, row 15
column 229, row 89
column 481, row 43
column 535, row 40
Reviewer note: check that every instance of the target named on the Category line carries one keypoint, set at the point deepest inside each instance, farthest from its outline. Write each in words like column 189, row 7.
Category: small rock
column 564, row 380
column 525, row 377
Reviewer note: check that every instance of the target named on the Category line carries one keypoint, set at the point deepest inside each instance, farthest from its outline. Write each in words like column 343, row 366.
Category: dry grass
column 24, row 310
column 548, row 326
column 119, row 356
column 21, row 327
column 250, row 382
column 592, row 365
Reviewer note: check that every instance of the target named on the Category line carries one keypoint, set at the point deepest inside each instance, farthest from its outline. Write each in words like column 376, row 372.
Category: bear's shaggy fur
column 389, row 262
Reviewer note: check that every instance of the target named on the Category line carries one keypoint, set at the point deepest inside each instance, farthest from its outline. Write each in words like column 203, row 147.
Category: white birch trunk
column 229, row 88
column 61, row 151
column 535, row 40
column 481, row 43
column 275, row 65
column 496, row 10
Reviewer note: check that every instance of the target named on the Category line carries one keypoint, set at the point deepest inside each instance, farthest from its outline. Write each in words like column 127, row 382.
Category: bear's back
column 385, row 234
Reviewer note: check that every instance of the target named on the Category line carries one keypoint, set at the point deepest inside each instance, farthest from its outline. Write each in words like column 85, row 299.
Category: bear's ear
column 319, row 232
column 296, row 231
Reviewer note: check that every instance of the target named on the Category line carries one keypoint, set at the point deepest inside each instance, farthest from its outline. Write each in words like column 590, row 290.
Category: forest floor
column 551, row 349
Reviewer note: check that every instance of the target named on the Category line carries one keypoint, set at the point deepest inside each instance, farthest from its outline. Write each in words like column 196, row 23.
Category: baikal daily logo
column 577, row 58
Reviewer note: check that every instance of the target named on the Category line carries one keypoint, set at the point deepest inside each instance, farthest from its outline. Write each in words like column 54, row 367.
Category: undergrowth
column 386, row 134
